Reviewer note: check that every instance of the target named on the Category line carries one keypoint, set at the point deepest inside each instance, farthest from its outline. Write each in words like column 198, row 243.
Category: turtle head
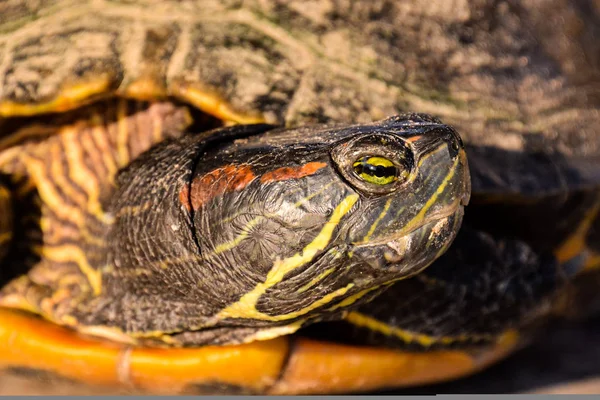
column 301, row 223
column 412, row 177
column 256, row 231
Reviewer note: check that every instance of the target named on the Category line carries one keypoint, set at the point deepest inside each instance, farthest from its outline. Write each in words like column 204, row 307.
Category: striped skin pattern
column 204, row 239
column 223, row 241
column 68, row 176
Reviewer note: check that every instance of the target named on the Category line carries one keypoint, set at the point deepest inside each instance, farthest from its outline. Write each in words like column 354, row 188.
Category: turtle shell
column 506, row 86
column 513, row 79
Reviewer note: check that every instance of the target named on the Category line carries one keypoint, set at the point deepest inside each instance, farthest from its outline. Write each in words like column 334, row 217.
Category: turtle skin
column 491, row 69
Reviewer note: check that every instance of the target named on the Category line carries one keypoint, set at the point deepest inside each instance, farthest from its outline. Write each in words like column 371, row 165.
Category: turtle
column 271, row 197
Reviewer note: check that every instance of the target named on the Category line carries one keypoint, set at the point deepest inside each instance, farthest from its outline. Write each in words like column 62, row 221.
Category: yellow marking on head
column 359, row 295
column 576, row 243
column 328, row 298
column 353, row 299
column 68, row 98
column 213, row 105
column 230, row 245
column 364, row 321
column 422, row 159
column 316, row 279
column 379, row 218
column 245, row 307
column 71, row 253
column 312, row 195
column 417, row 219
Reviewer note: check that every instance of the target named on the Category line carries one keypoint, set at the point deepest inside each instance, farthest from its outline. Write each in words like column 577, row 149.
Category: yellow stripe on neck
column 245, row 307
column 365, row 321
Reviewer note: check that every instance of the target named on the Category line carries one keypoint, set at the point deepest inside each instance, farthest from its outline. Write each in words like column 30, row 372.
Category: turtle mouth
column 454, row 209
column 410, row 250
column 438, row 230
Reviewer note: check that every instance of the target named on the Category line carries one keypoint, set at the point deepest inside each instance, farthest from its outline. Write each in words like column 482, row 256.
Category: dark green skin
column 183, row 300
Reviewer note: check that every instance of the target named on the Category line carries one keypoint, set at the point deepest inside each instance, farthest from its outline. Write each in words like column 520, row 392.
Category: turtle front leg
column 62, row 183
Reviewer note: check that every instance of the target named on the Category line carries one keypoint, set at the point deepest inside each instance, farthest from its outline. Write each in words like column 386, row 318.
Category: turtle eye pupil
column 376, row 169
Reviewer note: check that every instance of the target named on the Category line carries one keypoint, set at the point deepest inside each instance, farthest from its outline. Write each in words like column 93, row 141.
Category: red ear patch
column 226, row 179
column 285, row 173
column 231, row 178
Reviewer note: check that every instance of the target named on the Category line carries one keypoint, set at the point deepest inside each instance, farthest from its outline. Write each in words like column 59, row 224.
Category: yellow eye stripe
column 376, row 169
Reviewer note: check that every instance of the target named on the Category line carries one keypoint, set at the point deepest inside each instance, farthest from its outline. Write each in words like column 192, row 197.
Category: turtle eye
column 378, row 170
